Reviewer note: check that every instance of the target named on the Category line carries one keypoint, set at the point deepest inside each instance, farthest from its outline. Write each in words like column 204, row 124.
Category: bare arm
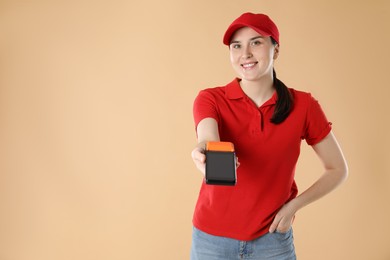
column 207, row 130
column 336, row 171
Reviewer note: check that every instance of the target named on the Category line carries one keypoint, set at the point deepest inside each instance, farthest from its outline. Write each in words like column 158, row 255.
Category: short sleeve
column 204, row 107
column 317, row 126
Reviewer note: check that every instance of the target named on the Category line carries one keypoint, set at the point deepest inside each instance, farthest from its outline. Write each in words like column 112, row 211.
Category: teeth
column 248, row 65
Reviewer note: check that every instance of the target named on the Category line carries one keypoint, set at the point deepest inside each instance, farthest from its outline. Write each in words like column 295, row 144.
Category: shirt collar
column 234, row 91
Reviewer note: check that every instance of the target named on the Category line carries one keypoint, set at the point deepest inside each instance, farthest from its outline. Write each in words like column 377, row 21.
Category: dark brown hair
column 285, row 101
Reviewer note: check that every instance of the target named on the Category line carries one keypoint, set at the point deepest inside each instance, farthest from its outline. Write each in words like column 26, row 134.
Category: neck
column 259, row 91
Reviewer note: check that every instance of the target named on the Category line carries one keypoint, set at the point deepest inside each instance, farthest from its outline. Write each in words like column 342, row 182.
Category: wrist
column 296, row 204
column 201, row 146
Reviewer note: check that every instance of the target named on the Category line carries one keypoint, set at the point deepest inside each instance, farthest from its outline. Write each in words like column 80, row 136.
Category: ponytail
column 284, row 103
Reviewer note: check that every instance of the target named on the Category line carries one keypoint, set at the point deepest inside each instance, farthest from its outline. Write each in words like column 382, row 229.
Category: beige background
column 96, row 122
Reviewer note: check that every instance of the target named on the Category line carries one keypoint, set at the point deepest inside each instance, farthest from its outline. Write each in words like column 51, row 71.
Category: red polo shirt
column 268, row 154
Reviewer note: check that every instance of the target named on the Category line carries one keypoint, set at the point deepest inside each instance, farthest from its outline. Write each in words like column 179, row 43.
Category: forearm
column 336, row 171
column 207, row 130
column 324, row 185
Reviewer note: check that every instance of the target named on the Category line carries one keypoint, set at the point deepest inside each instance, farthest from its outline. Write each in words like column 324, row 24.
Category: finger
column 285, row 224
column 198, row 155
column 283, row 227
column 274, row 225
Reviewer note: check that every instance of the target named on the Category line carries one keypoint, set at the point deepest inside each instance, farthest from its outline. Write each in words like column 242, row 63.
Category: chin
column 246, row 78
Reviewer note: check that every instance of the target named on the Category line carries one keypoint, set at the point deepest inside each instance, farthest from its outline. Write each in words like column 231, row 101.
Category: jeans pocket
column 287, row 232
column 284, row 236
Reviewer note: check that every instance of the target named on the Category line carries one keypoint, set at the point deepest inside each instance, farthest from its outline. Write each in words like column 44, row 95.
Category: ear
column 276, row 51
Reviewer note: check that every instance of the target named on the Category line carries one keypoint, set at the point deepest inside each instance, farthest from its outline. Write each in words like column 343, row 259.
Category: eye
column 235, row 46
column 254, row 43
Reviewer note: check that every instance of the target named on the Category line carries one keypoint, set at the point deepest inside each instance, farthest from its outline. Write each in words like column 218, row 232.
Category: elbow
column 339, row 172
column 342, row 169
column 343, row 172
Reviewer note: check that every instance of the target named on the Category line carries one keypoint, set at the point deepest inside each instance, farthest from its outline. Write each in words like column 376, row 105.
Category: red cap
column 261, row 23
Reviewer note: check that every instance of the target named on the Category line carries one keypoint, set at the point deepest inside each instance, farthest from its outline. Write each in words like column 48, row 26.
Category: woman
column 266, row 122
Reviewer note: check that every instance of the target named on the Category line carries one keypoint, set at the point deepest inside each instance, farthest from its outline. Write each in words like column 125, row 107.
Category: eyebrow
column 251, row 39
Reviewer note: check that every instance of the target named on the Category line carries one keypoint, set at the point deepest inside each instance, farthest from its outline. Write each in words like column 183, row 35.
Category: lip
column 249, row 65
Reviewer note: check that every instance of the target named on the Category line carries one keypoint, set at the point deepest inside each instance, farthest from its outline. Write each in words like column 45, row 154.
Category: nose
column 246, row 54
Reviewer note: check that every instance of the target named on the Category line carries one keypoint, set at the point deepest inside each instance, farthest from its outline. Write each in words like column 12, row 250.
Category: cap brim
column 231, row 30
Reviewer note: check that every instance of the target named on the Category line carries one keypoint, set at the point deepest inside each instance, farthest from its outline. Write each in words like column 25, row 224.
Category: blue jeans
column 278, row 246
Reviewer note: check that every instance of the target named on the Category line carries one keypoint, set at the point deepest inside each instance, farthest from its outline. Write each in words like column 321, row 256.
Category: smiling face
column 252, row 55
